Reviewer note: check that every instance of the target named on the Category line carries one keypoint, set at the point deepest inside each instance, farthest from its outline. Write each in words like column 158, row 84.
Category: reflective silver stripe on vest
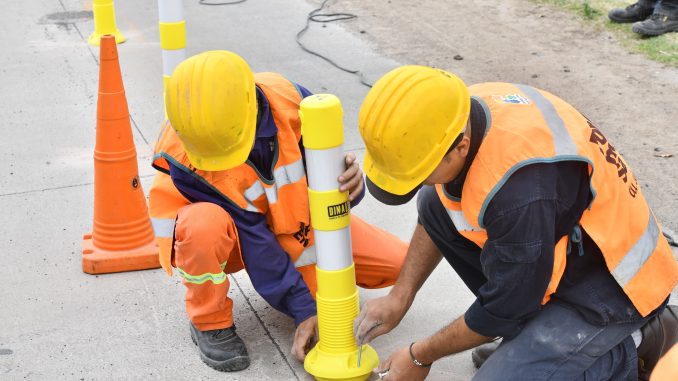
column 634, row 260
column 252, row 208
column 460, row 222
column 252, row 193
column 163, row 227
column 287, row 174
column 308, row 257
column 561, row 137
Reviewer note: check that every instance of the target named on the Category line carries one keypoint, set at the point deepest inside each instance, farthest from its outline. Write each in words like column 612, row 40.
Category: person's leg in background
column 663, row 20
column 669, row 7
column 637, row 11
column 205, row 249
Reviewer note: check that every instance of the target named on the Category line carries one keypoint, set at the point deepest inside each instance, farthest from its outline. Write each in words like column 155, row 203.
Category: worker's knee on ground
column 203, row 224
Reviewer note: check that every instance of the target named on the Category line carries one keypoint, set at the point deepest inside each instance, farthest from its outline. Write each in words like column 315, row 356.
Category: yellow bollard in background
column 172, row 28
column 104, row 22
column 336, row 355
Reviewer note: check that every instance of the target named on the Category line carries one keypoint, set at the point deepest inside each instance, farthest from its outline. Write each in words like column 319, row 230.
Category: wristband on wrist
column 417, row 362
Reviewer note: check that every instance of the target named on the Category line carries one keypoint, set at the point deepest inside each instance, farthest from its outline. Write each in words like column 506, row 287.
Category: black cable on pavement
column 203, row 2
column 315, row 16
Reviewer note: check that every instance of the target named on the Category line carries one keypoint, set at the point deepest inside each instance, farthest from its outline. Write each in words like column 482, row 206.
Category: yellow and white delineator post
column 336, row 355
column 104, row 22
column 172, row 36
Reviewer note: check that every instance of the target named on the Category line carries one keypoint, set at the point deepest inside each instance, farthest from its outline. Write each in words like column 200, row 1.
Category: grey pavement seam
column 134, row 122
column 89, row 48
column 268, row 333
column 75, row 26
column 61, row 187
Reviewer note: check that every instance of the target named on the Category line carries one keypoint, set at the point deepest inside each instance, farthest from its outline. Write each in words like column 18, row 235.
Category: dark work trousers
column 557, row 344
column 668, row 7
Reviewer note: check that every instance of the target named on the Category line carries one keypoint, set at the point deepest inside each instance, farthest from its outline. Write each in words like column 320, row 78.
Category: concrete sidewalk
column 58, row 323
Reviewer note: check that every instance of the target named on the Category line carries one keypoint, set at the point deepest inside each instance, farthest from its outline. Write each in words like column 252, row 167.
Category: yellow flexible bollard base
column 95, row 39
column 336, row 355
column 329, row 366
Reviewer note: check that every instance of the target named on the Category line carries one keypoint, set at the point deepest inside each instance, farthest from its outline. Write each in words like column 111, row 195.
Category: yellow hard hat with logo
column 408, row 121
column 211, row 103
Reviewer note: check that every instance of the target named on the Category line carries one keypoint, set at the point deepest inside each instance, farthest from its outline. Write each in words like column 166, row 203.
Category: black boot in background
column 635, row 12
column 656, row 25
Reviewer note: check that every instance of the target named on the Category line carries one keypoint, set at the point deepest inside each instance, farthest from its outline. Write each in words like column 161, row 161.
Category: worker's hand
column 305, row 338
column 399, row 367
column 352, row 179
column 377, row 317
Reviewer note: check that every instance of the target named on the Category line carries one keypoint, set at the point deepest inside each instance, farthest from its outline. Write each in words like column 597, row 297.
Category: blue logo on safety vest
column 511, row 98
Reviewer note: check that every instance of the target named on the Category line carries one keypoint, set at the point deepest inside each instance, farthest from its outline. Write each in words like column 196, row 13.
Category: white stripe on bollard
column 335, row 247
column 323, row 167
column 170, row 60
column 170, row 10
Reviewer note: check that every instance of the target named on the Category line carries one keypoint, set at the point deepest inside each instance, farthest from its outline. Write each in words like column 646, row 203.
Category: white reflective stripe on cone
column 307, row 257
column 335, row 247
column 163, row 227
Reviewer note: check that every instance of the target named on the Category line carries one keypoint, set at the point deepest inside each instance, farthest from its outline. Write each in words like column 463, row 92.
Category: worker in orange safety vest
column 539, row 215
column 231, row 194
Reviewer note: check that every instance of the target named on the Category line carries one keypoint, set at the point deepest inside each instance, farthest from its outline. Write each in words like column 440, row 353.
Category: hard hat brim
column 387, row 197
column 218, row 163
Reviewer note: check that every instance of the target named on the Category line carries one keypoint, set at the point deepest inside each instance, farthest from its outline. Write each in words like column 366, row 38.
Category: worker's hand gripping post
column 336, row 355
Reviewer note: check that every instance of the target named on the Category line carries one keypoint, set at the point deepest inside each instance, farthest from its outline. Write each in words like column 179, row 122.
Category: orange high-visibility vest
column 526, row 126
column 283, row 199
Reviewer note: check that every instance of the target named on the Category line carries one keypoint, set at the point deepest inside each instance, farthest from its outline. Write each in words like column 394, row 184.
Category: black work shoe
column 657, row 24
column 482, row 352
column 660, row 333
column 221, row 349
column 632, row 13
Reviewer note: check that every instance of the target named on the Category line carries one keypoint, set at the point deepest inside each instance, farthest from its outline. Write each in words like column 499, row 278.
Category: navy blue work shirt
column 269, row 267
column 532, row 211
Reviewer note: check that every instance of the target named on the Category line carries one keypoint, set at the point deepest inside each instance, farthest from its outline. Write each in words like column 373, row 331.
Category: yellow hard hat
column 211, row 103
column 408, row 121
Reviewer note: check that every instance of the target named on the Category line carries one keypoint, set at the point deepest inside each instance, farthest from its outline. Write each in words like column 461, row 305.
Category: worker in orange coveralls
column 231, row 194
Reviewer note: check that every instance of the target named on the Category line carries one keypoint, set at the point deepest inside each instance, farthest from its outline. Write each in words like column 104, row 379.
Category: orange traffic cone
column 122, row 237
